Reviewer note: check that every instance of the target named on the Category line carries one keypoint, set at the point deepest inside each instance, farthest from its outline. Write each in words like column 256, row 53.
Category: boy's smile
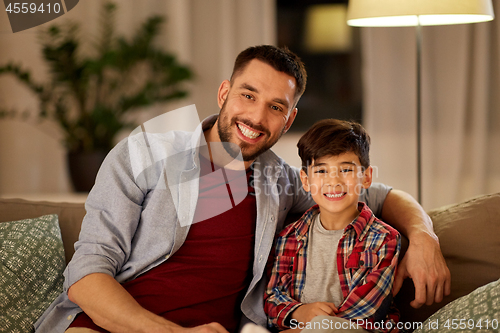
column 335, row 196
column 335, row 183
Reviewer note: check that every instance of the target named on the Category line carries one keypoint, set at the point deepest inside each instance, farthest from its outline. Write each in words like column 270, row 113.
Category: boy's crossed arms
column 366, row 276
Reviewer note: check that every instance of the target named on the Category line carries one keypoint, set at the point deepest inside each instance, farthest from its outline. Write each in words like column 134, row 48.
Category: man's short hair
column 333, row 137
column 281, row 59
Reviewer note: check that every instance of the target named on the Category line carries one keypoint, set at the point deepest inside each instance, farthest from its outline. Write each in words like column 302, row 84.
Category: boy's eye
column 346, row 170
column 320, row 171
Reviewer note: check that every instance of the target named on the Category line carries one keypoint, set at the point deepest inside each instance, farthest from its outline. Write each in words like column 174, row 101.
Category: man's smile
column 248, row 132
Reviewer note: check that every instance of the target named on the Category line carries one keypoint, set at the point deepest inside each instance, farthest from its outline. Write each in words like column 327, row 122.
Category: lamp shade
column 392, row 13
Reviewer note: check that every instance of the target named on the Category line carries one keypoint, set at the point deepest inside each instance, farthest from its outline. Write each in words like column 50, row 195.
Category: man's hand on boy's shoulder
column 425, row 265
column 306, row 312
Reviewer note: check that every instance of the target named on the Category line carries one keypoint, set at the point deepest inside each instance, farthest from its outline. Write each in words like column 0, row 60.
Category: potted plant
column 92, row 97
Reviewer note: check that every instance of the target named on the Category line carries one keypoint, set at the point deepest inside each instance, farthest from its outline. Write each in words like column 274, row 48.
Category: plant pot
column 83, row 167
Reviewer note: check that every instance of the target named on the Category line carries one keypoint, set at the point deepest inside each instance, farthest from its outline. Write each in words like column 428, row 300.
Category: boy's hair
column 333, row 137
column 281, row 59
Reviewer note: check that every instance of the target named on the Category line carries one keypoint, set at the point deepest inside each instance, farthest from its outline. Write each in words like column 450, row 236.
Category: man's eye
column 276, row 108
column 247, row 96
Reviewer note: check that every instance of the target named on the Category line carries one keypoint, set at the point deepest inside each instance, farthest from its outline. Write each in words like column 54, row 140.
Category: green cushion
column 478, row 311
column 31, row 267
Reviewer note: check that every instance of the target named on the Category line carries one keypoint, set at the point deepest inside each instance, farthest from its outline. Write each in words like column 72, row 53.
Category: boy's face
column 335, row 183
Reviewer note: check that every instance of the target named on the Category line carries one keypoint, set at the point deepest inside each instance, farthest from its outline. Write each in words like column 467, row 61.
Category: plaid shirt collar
column 360, row 224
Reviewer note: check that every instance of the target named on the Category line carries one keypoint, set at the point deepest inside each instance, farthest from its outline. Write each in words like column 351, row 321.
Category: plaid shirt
column 367, row 256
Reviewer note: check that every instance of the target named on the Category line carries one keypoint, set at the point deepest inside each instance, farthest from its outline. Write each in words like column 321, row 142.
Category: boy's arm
column 423, row 262
column 364, row 300
column 278, row 303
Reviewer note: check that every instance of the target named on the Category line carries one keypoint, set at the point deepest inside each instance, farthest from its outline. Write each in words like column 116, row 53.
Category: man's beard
column 224, row 129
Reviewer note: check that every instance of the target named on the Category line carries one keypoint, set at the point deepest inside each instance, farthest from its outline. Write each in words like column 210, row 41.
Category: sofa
column 468, row 232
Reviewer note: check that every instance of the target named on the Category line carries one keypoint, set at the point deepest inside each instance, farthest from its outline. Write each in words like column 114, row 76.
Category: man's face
column 256, row 109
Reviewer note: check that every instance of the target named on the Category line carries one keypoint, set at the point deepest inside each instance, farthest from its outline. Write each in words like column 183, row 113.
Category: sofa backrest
column 468, row 234
column 70, row 217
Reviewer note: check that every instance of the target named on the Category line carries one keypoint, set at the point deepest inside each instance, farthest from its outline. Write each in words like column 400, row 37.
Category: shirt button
column 70, row 317
column 260, row 258
column 361, row 262
column 272, row 218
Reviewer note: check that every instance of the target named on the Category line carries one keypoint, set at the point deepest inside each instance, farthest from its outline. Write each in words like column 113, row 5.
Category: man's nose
column 259, row 113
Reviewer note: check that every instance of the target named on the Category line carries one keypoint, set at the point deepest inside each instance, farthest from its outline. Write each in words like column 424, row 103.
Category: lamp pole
column 419, row 110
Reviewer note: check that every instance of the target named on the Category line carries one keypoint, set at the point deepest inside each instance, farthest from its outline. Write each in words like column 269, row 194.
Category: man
column 141, row 265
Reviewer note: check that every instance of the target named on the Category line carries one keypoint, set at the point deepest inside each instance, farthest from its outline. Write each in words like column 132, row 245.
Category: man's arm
column 423, row 261
column 111, row 307
column 114, row 209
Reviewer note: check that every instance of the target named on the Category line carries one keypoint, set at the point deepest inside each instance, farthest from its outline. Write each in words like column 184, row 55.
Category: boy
column 338, row 260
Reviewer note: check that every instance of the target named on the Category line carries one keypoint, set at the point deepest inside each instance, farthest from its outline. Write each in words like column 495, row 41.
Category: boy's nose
column 334, row 179
column 334, row 175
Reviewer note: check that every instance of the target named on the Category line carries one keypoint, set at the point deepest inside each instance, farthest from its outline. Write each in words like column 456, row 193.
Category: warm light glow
column 453, row 19
column 387, row 21
column 326, row 29
column 412, row 20
column 394, row 13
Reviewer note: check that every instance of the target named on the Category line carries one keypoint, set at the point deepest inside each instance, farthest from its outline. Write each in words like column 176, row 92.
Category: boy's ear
column 305, row 180
column 367, row 177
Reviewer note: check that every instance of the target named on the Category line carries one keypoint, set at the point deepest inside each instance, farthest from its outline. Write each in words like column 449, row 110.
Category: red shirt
column 206, row 279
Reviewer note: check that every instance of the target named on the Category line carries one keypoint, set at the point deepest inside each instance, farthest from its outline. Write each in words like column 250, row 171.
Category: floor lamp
column 403, row 13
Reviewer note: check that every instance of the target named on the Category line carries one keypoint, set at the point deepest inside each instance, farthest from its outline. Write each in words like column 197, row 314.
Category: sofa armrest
column 70, row 217
column 468, row 235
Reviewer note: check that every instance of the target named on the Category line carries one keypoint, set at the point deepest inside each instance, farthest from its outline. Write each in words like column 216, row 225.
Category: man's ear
column 290, row 120
column 367, row 177
column 304, row 180
column 223, row 92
